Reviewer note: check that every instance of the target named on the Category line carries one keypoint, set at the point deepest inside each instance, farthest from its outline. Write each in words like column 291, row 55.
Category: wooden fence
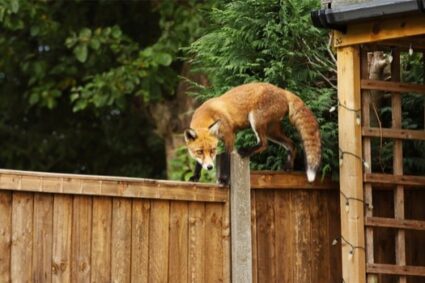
column 62, row 228
column 293, row 226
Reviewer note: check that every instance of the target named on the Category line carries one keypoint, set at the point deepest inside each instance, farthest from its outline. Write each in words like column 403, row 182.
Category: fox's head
column 202, row 144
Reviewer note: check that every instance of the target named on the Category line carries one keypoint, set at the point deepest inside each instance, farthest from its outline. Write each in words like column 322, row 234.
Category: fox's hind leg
column 276, row 134
column 259, row 129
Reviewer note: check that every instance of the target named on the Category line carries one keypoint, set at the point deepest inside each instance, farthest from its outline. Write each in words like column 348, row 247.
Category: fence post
column 240, row 215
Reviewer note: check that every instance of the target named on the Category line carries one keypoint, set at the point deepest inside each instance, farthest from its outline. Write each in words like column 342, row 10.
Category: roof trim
column 338, row 18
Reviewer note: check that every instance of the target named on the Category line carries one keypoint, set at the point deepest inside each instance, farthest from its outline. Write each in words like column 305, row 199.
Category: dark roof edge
column 338, row 18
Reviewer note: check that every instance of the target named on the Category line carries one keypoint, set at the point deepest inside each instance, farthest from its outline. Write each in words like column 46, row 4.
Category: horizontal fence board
column 380, row 268
column 110, row 186
column 388, row 179
column 395, row 223
column 394, row 133
column 288, row 180
column 392, row 86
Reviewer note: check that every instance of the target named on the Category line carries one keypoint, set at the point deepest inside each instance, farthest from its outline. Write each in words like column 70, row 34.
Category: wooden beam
column 383, row 29
column 288, row 181
column 388, row 179
column 380, row 268
column 351, row 171
column 394, row 133
column 110, row 186
column 399, row 207
column 395, row 223
column 240, row 215
column 367, row 155
column 392, row 86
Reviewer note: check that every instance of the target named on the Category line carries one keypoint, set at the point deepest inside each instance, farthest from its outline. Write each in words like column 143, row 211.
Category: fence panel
column 293, row 229
column 73, row 228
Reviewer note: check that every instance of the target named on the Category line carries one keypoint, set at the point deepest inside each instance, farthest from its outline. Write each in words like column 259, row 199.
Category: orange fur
column 262, row 107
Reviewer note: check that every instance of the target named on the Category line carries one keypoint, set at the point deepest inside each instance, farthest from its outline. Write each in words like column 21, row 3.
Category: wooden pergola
column 357, row 181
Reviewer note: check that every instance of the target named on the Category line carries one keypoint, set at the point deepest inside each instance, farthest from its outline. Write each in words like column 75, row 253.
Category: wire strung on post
column 353, row 247
column 341, row 157
column 356, row 111
column 348, row 199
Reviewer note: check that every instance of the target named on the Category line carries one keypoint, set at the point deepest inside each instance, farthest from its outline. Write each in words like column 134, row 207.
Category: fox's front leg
column 197, row 173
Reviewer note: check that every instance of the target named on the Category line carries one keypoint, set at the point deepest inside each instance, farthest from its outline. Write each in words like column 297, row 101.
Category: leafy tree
column 76, row 78
column 271, row 41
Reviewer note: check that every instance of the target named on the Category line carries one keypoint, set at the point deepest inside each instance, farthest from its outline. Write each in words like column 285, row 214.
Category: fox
column 261, row 106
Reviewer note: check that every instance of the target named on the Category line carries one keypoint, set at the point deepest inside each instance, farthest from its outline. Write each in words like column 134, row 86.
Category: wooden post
column 240, row 215
column 366, row 99
column 351, row 171
column 400, row 248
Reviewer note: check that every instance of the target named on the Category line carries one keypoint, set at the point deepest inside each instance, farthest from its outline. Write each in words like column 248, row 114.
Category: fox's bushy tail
column 306, row 124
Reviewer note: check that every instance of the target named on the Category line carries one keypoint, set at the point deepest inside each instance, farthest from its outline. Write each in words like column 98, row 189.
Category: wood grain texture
column 213, row 243
column 43, row 235
column 178, row 256
column 5, row 235
column 62, row 231
column 351, row 169
column 22, row 237
column 285, row 231
column 159, row 241
column 319, row 238
column 101, row 240
column 289, row 180
column 81, row 239
column 110, row 186
column 266, row 236
column 121, row 240
column 302, row 237
column 378, row 30
column 140, row 240
column 395, row 86
column 196, row 265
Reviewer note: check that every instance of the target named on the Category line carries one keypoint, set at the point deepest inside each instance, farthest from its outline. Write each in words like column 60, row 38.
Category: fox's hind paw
column 245, row 151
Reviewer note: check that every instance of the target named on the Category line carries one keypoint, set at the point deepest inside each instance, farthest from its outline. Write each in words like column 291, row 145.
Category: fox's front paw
column 223, row 180
column 244, row 152
column 194, row 178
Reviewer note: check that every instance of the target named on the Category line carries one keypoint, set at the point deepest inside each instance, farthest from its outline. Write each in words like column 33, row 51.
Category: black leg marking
column 248, row 151
column 196, row 173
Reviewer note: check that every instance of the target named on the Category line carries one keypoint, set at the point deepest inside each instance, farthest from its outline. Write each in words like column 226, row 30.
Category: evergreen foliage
column 271, row 41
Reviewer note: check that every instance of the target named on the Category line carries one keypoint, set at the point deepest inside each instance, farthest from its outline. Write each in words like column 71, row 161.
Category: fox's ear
column 214, row 127
column 190, row 135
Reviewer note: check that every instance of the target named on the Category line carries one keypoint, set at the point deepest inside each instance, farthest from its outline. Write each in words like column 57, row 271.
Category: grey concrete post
column 240, row 215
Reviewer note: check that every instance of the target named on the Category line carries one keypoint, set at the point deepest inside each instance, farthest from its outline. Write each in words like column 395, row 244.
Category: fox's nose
column 209, row 167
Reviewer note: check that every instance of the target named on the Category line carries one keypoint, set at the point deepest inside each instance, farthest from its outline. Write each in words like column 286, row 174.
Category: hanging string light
column 341, row 158
column 353, row 247
column 356, row 111
column 348, row 199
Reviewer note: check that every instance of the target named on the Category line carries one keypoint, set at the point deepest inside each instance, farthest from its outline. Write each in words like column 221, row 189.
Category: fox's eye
column 199, row 152
column 213, row 151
